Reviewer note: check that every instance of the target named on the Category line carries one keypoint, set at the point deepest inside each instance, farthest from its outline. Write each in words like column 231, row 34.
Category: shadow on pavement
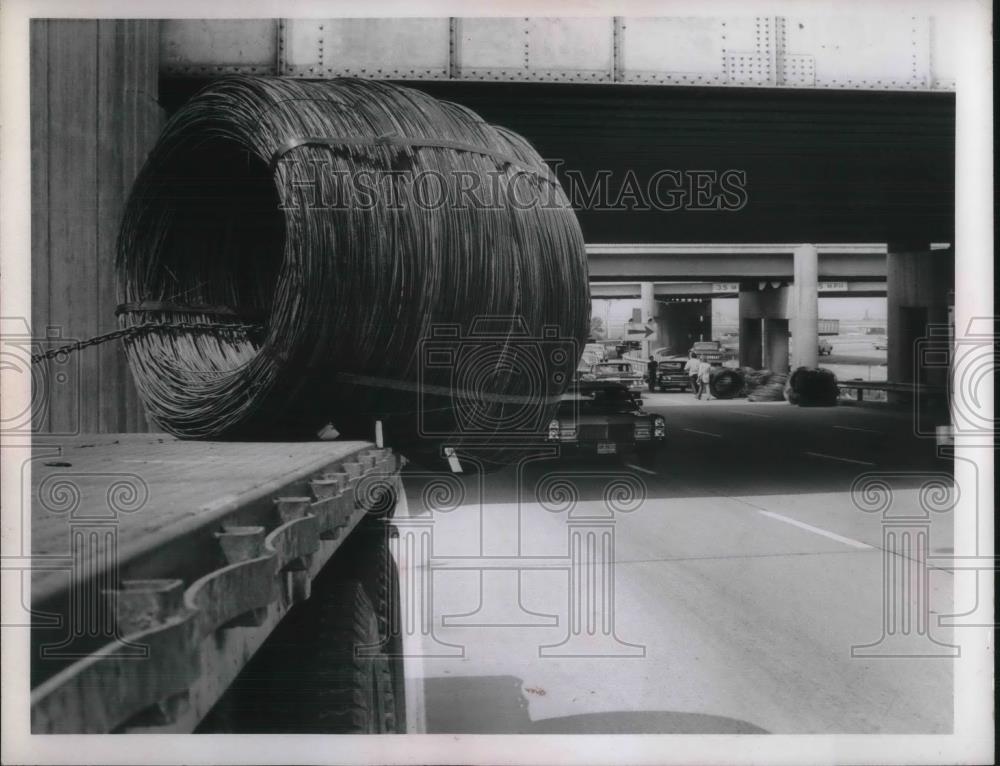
column 497, row 705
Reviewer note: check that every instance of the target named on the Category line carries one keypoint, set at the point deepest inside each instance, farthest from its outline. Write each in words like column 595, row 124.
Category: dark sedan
column 670, row 373
column 606, row 418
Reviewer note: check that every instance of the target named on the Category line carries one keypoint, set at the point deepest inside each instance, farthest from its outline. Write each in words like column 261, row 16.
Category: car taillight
column 659, row 427
column 553, row 430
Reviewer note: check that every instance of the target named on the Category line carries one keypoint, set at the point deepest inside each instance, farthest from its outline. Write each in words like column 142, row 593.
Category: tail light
column 659, row 427
column 553, row 430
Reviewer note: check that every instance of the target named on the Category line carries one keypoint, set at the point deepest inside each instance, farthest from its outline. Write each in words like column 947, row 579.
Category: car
column 617, row 371
column 606, row 418
column 882, row 345
column 825, row 347
column 594, row 351
column 712, row 351
column 670, row 373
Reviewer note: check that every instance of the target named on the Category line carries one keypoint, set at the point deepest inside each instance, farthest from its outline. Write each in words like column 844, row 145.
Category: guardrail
column 860, row 386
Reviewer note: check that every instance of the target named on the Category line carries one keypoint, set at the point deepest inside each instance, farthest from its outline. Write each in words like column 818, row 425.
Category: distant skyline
column 725, row 310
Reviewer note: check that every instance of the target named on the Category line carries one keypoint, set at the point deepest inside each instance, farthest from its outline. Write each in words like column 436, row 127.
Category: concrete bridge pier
column 647, row 305
column 775, row 344
column 803, row 311
column 920, row 287
column 763, row 314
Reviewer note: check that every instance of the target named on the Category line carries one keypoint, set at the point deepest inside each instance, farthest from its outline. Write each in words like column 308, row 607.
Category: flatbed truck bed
column 160, row 566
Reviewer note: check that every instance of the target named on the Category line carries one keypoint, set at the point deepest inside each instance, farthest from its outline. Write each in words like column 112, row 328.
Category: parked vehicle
column 606, row 418
column 670, row 374
column 825, row 347
column 712, row 351
column 618, row 371
column 594, row 351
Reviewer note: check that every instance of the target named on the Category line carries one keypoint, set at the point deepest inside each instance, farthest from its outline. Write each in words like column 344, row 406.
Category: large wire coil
column 406, row 262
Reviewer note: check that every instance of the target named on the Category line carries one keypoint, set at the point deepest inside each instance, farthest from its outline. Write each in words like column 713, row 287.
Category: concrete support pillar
column 775, row 345
column 918, row 283
column 764, row 312
column 665, row 331
column 705, row 319
column 750, row 343
column 647, row 304
column 804, row 308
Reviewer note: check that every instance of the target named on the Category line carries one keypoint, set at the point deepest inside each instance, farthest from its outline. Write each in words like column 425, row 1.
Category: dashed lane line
column 703, row 433
column 841, row 459
column 862, row 430
column 640, row 468
column 816, row 530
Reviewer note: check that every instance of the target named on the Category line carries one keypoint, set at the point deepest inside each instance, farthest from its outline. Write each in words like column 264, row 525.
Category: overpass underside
column 778, row 287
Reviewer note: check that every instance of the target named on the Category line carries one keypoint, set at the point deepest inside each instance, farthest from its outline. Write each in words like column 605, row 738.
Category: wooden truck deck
column 160, row 565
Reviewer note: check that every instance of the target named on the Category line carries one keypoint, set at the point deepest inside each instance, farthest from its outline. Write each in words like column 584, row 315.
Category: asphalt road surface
column 718, row 589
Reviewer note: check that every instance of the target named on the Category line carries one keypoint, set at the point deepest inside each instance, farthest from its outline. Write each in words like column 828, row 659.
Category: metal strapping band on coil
column 409, row 143
column 167, row 307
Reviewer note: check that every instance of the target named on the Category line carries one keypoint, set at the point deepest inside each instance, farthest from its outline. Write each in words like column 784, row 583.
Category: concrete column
column 804, row 309
column 763, row 346
column 918, row 282
column 750, row 343
column 705, row 311
column 775, row 343
column 647, row 304
column 664, row 327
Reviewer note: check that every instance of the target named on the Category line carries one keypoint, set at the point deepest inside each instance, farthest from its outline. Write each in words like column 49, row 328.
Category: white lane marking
column 752, row 414
column 817, row 530
column 703, row 433
column 453, row 462
column 863, row 430
column 841, row 459
column 640, row 468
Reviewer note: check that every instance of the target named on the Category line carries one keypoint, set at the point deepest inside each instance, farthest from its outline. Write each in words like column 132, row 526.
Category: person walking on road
column 691, row 368
column 704, row 378
column 651, row 367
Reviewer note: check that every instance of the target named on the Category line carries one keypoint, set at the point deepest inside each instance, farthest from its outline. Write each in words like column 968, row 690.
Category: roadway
column 743, row 575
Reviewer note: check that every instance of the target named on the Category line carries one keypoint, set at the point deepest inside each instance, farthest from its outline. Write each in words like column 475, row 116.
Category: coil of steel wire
column 812, row 387
column 401, row 259
column 725, row 383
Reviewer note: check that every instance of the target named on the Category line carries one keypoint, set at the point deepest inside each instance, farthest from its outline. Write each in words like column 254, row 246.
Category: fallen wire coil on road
column 340, row 213
column 725, row 383
column 764, row 385
column 812, row 387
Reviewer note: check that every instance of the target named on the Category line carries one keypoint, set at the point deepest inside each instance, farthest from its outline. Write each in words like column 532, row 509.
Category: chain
column 139, row 329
